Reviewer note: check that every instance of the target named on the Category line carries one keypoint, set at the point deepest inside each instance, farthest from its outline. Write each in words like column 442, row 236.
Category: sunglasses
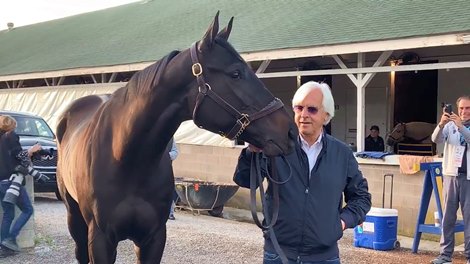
column 310, row 109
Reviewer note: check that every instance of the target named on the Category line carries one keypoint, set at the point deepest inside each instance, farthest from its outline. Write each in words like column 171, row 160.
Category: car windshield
column 30, row 126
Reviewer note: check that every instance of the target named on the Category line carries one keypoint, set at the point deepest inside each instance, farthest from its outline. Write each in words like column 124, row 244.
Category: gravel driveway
column 191, row 239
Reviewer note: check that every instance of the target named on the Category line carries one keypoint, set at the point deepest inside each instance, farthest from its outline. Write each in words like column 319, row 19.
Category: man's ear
column 326, row 119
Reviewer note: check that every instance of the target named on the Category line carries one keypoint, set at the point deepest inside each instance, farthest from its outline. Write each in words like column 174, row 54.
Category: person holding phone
column 454, row 131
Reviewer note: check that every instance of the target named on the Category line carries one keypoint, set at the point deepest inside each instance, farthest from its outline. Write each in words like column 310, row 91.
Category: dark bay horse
column 114, row 171
column 412, row 132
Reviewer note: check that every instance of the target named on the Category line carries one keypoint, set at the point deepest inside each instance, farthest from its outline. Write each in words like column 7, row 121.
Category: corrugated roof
column 146, row 31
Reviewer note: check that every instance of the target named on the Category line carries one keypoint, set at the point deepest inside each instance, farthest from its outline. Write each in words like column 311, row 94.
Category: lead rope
column 255, row 176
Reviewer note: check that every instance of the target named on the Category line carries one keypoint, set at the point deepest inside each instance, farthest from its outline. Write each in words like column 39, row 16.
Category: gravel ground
column 191, row 239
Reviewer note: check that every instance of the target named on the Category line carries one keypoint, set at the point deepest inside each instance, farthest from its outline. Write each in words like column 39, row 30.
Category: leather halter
column 402, row 137
column 242, row 119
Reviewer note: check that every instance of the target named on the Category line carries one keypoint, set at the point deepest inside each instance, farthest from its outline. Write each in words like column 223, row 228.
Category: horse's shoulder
column 79, row 111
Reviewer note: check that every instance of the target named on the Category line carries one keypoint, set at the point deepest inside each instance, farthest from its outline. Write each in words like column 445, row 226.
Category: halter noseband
column 242, row 119
column 397, row 139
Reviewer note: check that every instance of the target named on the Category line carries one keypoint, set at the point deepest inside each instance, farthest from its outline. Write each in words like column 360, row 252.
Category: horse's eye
column 236, row 74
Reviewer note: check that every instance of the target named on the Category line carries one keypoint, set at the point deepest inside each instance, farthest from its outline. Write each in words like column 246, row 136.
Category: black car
column 33, row 129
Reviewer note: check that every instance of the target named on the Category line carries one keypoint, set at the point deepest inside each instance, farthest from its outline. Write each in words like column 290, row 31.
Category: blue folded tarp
column 372, row 154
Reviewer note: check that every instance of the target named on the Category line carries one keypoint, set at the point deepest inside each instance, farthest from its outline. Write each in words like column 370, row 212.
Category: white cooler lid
column 376, row 211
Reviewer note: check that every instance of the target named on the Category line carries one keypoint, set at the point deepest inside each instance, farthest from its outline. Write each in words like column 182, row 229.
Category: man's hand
column 253, row 148
column 445, row 118
column 456, row 119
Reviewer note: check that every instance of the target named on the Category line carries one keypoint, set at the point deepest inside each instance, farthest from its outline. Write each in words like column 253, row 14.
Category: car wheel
column 57, row 194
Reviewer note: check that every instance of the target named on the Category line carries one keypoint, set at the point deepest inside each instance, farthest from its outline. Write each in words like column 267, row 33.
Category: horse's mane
column 143, row 81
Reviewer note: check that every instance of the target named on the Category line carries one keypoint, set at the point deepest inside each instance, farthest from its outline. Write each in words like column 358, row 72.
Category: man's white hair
column 328, row 102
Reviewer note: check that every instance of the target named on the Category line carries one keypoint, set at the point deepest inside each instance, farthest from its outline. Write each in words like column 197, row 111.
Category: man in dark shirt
column 374, row 142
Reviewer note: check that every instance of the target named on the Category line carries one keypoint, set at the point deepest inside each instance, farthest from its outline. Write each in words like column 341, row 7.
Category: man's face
column 309, row 115
column 464, row 109
column 374, row 133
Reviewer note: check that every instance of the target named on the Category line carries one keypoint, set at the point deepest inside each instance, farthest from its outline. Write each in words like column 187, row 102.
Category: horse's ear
column 209, row 38
column 225, row 33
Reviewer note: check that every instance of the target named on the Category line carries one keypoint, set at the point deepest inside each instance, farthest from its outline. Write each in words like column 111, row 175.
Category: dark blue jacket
column 310, row 213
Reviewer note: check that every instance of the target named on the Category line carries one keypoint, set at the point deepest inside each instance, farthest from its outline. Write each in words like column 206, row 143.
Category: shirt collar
column 305, row 143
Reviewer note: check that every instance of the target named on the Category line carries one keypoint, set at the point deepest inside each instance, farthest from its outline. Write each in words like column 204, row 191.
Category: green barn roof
column 145, row 31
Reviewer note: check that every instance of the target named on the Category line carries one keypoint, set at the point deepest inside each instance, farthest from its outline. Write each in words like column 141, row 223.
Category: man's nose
column 305, row 112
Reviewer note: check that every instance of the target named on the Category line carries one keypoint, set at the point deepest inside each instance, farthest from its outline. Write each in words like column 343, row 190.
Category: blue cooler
column 379, row 231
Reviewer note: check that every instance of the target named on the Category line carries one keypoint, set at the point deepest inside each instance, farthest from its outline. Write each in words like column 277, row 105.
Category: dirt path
column 191, row 239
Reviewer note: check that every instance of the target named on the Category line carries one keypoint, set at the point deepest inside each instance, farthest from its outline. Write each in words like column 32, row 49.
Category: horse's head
column 230, row 100
column 397, row 134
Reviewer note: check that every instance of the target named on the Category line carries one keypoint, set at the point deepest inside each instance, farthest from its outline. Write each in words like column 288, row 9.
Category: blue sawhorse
column 433, row 172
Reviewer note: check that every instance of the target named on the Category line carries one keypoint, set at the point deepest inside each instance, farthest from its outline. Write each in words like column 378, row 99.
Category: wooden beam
column 61, row 80
column 113, row 77
column 78, row 71
column 93, row 77
column 379, row 62
column 351, row 48
column 263, row 66
column 341, row 64
column 361, row 104
column 290, row 53
column 414, row 67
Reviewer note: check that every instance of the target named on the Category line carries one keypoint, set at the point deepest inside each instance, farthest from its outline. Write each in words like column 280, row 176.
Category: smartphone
column 448, row 108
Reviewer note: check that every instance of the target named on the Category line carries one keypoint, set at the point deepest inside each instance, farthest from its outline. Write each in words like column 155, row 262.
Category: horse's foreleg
column 78, row 229
column 102, row 249
column 152, row 251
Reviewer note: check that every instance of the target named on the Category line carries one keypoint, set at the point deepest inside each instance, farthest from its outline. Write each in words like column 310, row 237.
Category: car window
column 31, row 126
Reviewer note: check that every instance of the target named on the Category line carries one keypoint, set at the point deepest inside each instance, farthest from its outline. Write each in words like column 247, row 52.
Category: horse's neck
column 153, row 118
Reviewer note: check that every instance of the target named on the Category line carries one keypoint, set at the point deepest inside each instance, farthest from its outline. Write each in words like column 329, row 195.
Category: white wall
column 345, row 94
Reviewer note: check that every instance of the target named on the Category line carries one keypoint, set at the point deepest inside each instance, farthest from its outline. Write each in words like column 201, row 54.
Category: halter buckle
column 203, row 89
column 197, row 69
column 244, row 120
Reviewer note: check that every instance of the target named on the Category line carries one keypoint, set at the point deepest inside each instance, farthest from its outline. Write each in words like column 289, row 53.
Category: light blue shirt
column 312, row 151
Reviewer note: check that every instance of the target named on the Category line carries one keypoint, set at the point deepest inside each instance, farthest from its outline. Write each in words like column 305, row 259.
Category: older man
column 454, row 131
column 311, row 212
